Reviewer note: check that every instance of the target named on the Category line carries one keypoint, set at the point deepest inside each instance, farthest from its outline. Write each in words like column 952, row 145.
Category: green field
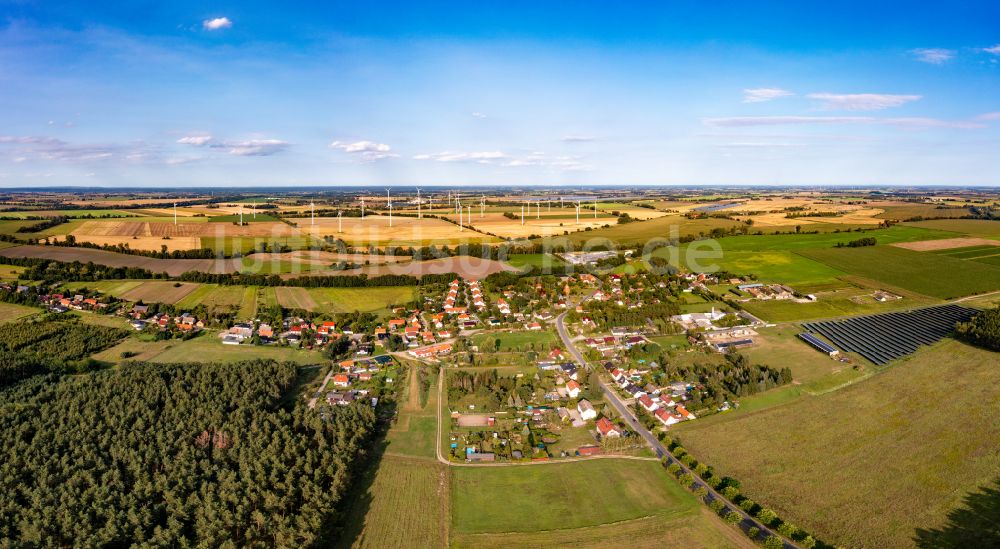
column 541, row 341
column 404, row 505
column 974, row 227
column 770, row 266
column 373, row 299
column 928, row 274
column 231, row 244
column 73, row 213
column 671, row 226
column 10, row 312
column 10, row 272
column 598, row 503
column 892, row 235
column 248, row 218
column 209, row 348
column 910, row 442
column 539, row 261
column 844, row 301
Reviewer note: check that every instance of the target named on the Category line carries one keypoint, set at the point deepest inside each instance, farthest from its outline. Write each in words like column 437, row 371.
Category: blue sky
column 253, row 93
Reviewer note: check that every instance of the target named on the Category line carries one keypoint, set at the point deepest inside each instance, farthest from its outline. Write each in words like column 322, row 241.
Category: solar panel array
column 888, row 336
column 817, row 342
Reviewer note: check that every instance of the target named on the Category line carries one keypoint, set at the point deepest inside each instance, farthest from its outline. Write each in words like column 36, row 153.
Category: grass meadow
column 910, row 441
column 928, row 274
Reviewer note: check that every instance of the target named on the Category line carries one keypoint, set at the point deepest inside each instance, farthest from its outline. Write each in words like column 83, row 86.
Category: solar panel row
column 888, row 336
column 817, row 342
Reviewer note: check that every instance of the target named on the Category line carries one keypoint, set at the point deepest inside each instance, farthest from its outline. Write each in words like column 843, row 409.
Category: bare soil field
column 160, row 291
column 148, row 243
column 555, row 223
column 946, row 244
column 173, row 267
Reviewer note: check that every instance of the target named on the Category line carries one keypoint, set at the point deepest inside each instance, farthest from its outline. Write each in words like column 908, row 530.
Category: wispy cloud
column 478, row 114
column 989, row 116
column 196, row 140
column 934, row 56
column 217, row 23
column 367, row 150
column 253, row 147
column 861, row 101
column 995, row 50
column 912, row 122
column 578, row 138
column 498, row 158
column 760, row 95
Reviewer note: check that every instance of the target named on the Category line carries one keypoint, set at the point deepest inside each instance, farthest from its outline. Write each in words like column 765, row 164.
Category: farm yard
column 904, row 448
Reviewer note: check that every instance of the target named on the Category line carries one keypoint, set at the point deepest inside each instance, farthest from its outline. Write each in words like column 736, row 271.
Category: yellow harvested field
column 946, row 244
column 151, row 243
column 775, row 220
column 555, row 223
column 144, row 235
column 405, row 231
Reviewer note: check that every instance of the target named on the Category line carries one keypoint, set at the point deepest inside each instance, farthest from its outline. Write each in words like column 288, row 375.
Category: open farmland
column 928, row 274
column 10, row 312
column 209, row 348
column 368, row 299
column 894, row 442
column 159, row 291
column 972, row 227
column 843, row 300
column 295, row 298
column 546, row 505
column 173, row 267
column 405, row 231
column 640, row 232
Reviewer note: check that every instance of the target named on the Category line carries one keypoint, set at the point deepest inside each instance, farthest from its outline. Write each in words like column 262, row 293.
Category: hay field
column 557, row 222
column 668, row 227
column 465, row 266
column 346, row 300
column 972, row 227
column 295, row 298
column 10, row 312
column 893, row 442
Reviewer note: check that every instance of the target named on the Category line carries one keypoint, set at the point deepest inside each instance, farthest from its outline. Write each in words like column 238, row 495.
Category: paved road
column 661, row 451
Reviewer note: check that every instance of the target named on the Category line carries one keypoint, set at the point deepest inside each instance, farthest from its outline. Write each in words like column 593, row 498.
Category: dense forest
column 53, row 343
column 172, row 455
column 983, row 329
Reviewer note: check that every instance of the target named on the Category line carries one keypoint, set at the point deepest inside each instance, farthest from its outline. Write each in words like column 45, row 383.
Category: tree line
column 983, row 329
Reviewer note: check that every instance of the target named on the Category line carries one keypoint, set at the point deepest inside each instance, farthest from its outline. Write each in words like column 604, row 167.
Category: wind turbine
column 312, row 208
column 175, row 214
column 595, row 209
column 538, row 210
column 460, row 227
column 387, row 201
column 362, row 207
column 578, row 212
column 253, row 208
column 241, row 215
column 390, row 214
column 482, row 207
column 561, row 205
column 470, row 217
column 522, row 214
column 340, row 222
column 420, row 214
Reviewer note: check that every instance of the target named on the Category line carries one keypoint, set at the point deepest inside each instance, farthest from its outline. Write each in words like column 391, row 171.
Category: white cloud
column 368, row 150
column 196, row 140
column 759, row 95
column 478, row 114
column 486, row 157
column 989, row 116
column 253, row 147
column 498, row 158
column 861, row 101
column 217, row 23
column 914, row 122
column 995, row 50
column 934, row 56
column 577, row 138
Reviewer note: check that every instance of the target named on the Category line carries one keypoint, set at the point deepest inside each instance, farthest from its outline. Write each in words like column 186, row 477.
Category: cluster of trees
column 736, row 377
column 53, row 343
column 175, row 454
column 982, row 330
column 859, row 243
column 50, row 270
column 48, row 223
column 608, row 313
column 490, row 386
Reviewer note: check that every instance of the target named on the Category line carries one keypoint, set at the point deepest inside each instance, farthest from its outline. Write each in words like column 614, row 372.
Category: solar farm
column 885, row 337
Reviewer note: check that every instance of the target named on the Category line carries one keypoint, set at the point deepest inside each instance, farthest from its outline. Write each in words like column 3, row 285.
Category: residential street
column 612, row 397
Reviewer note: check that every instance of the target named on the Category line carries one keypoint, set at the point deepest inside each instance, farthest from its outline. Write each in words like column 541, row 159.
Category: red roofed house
column 573, row 389
column 647, row 403
column 666, row 417
column 341, row 380
column 607, row 429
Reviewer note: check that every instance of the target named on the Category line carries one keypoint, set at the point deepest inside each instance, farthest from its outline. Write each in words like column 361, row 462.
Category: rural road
column 612, row 396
